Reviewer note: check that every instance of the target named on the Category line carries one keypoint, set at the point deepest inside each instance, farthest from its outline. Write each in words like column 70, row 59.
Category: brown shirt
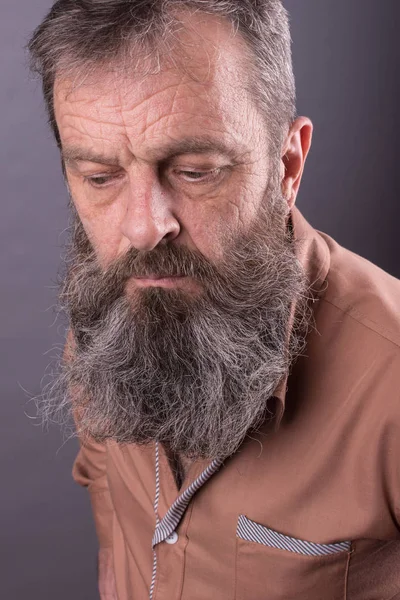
column 308, row 510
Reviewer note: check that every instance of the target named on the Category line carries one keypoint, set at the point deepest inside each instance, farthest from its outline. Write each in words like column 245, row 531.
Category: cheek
column 102, row 226
column 212, row 228
column 233, row 216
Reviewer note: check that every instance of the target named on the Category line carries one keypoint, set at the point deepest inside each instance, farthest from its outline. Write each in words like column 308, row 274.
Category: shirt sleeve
column 89, row 470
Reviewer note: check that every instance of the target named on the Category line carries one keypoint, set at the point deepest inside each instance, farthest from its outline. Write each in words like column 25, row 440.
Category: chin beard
column 191, row 371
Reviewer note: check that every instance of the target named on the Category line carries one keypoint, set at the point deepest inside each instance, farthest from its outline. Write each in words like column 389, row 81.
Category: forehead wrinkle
column 80, row 124
column 184, row 78
column 181, row 109
column 138, row 105
column 171, row 125
column 75, row 133
column 71, row 94
column 150, row 111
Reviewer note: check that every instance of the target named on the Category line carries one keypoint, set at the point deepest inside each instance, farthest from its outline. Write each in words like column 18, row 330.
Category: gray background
column 345, row 59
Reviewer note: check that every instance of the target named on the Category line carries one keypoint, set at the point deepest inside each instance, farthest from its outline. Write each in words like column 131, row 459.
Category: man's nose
column 149, row 217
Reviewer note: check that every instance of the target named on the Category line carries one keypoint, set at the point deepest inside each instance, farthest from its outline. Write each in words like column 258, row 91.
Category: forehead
column 201, row 87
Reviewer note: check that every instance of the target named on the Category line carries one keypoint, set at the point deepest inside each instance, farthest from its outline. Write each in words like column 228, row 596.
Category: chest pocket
column 274, row 566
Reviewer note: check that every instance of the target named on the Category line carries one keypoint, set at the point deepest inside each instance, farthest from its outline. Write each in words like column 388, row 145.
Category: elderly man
column 234, row 373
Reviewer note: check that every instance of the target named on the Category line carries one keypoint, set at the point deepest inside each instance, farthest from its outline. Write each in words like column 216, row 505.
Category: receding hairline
column 152, row 56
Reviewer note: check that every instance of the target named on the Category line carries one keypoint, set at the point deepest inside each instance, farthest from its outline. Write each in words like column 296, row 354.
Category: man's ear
column 293, row 157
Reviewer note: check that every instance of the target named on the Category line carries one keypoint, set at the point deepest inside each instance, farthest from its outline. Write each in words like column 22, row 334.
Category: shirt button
column 172, row 538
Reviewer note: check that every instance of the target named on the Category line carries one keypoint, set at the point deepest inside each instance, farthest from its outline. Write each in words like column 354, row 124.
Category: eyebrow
column 75, row 154
column 192, row 145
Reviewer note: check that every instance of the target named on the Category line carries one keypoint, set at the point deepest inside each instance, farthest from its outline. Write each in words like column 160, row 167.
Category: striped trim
column 170, row 522
column 253, row 532
column 173, row 517
column 156, row 499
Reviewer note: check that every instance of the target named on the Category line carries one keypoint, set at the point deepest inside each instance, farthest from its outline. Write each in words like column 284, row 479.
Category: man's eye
column 99, row 181
column 200, row 176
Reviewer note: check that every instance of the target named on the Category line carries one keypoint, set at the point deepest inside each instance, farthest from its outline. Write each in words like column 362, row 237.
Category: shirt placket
column 165, row 530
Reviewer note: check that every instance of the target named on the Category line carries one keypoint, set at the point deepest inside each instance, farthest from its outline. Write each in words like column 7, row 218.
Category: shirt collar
column 313, row 254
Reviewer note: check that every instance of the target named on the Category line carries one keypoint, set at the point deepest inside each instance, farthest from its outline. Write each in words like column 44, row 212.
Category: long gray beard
column 194, row 372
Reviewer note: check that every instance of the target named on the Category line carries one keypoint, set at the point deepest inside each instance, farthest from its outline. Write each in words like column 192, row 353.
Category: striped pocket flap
column 253, row 532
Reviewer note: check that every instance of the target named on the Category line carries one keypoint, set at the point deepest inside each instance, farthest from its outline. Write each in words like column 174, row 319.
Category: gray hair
column 78, row 34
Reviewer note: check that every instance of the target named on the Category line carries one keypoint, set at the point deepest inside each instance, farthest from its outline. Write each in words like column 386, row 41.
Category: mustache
column 166, row 261
column 109, row 283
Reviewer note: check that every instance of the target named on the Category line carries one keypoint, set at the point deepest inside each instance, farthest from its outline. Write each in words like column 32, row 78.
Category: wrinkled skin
column 173, row 168
column 149, row 196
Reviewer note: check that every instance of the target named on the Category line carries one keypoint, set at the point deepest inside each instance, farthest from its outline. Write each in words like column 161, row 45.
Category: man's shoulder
column 364, row 293
column 353, row 352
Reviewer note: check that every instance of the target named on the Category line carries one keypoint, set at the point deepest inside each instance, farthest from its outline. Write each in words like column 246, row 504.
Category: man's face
column 180, row 155
column 183, row 279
